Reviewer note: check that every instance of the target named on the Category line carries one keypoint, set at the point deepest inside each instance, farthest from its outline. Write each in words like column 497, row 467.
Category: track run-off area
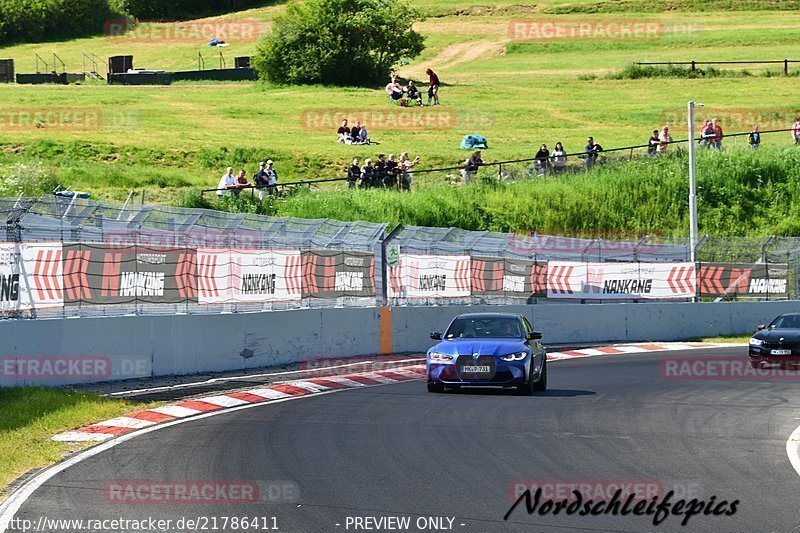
column 664, row 433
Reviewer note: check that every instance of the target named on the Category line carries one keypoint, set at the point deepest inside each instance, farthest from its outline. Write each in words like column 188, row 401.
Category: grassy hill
column 517, row 92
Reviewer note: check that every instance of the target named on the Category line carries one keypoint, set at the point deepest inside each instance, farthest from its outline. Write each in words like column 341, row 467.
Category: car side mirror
column 535, row 335
column 436, row 335
column 761, row 326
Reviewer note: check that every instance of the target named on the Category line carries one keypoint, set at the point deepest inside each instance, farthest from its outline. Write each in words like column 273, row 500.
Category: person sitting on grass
column 354, row 132
column 343, row 132
column 394, row 90
column 363, row 136
column 413, row 93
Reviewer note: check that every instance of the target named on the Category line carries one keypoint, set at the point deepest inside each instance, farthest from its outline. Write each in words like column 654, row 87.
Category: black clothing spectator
column 652, row 144
column 353, row 173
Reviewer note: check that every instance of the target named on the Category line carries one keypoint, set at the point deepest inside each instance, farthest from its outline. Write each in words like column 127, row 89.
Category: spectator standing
column 380, row 170
column 716, row 140
column 706, row 134
column 754, row 139
column 592, row 150
column 367, row 174
column 272, row 177
column 559, row 157
column 652, row 144
column 226, row 183
column 390, row 181
column 261, row 180
column 241, row 182
column 353, row 173
column 541, row 161
column 433, row 87
column 405, row 166
column 796, row 130
column 664, row 140
column 343, row 132
column 470, row 170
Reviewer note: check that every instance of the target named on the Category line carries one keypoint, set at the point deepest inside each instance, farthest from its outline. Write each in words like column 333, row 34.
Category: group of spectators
column 403, row 96
column 265, row 181
column 555, row 162
column 386, row 173
column 358, row 134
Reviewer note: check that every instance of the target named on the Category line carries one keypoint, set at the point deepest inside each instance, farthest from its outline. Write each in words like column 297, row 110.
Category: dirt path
column 456, row 54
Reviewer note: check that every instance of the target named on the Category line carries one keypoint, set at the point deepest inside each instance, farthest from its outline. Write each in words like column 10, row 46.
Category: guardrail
column 65, row 257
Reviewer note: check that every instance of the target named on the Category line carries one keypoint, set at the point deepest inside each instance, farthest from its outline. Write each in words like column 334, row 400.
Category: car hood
column 789, row 335
column 494, row 347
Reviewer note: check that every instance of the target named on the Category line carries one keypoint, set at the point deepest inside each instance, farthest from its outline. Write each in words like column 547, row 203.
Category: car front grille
column 785, row 345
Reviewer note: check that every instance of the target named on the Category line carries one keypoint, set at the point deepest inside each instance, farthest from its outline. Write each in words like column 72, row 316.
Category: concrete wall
column 571, row 323
column 126, row 347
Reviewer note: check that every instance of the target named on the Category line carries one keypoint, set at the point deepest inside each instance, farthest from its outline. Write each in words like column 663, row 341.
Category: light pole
column 692, row 186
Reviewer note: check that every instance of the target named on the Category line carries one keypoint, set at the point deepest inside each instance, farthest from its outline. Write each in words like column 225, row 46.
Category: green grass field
column 518, row 93
column 30, row 416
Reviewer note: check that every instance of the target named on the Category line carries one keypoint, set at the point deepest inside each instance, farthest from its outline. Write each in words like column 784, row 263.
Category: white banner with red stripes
column 430, row 276
column 615, row 281
column 30, row 276
column 248, row 276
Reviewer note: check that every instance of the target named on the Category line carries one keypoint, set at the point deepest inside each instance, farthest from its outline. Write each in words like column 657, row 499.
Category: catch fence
column 73, row 257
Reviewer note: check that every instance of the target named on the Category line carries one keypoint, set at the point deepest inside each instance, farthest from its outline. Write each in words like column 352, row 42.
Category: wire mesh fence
column 74, row 257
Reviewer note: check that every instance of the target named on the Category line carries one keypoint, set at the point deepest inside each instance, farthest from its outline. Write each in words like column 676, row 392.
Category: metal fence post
column 795, row 257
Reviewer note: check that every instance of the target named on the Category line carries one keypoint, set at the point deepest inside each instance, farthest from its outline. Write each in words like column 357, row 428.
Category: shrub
column 35, row 20
column 338, row 42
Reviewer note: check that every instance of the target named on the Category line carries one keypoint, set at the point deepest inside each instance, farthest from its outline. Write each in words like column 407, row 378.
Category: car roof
column 793, row 313
column 490, row 315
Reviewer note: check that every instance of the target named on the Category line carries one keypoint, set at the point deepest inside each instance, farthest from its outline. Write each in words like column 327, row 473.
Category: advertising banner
column 744, row 279
column 30, row 276
column 430, row 276
column 615, row 281
column 495, row 276
column 106, row 274
column 335, row 274
column 248, row 276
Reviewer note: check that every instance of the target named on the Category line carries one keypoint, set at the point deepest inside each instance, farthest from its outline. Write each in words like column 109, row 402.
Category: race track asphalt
column 397, row 450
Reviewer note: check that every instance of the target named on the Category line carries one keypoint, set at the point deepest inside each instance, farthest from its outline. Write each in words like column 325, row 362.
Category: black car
column 778, row 343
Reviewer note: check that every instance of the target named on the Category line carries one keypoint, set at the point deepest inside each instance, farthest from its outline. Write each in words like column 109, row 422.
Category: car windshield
column 786, row 322
column 484, row 328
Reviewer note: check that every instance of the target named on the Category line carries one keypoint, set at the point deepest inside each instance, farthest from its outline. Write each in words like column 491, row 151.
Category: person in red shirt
column 716, row 141
column 433, row 87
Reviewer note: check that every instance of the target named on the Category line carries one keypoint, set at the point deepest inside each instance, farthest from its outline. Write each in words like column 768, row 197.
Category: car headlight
column 442, row 358
column 756, row 342
column 517, row 356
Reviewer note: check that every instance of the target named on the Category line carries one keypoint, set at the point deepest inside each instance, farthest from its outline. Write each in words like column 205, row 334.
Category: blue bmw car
column 488, row 349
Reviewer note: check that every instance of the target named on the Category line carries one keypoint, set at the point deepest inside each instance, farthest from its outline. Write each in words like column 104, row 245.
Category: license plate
column 476, row 369
column 780, row 352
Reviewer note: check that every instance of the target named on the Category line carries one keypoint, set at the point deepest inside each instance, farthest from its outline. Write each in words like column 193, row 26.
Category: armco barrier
column 102, row 349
